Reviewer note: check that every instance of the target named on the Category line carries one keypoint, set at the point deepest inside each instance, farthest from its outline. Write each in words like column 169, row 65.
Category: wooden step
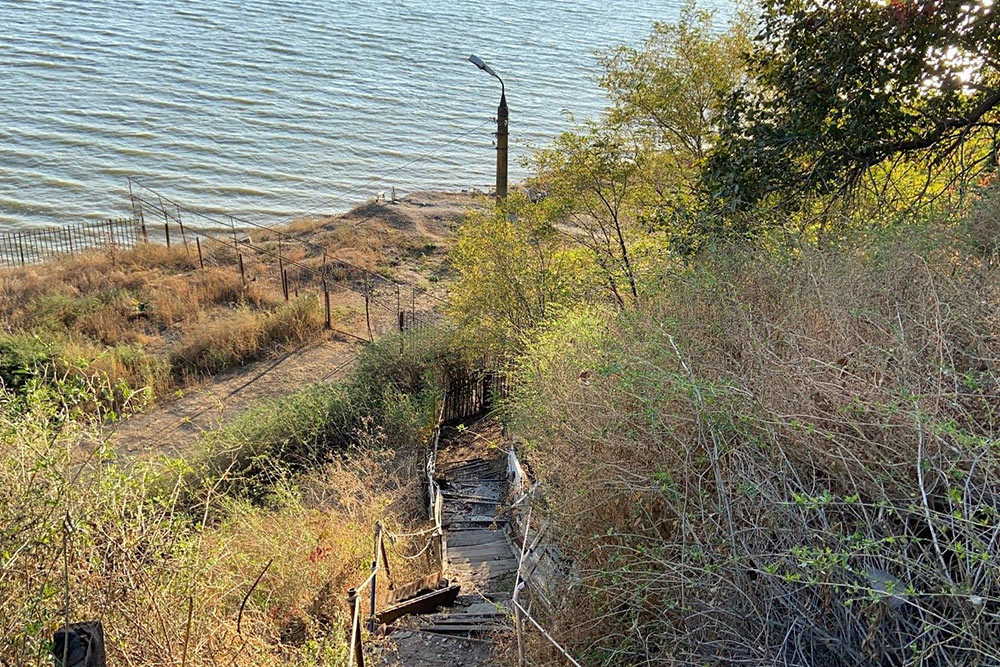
column 473, row 537
column 498, row 548
column 465, row 630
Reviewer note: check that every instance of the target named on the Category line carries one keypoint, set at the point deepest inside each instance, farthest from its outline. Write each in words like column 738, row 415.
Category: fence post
column 326, row 300
column 142, row 221
column 111, row 232
column 20, row 247
column 356, row 654
column 243, row 274
column 166, row 220
column 378, row 545
column 201, row 261
column 368, row 315
column 181, row 223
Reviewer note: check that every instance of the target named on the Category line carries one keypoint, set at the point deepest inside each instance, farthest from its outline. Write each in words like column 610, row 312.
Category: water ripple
column 268, row 108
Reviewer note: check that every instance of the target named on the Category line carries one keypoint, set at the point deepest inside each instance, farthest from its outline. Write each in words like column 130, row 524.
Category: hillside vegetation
column 752, row 318
column 238, row 554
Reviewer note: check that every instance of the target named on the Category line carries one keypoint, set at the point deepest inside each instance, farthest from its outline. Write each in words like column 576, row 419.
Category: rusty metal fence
column 296, row 265
column 32, row 246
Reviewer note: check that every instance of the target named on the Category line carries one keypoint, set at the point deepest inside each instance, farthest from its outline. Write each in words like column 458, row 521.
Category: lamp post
column 502, row 116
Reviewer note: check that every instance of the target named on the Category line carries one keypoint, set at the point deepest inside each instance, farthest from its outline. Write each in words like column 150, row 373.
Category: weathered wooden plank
column 477, row 629
column 480, row 550
column 465, row 538
column 423, row 604
column 427, row 584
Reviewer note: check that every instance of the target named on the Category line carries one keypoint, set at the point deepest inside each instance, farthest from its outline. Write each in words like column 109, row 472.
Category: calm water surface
column 270, row 109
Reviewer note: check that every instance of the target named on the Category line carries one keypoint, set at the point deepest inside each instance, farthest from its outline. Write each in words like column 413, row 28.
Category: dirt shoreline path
column 173, row 427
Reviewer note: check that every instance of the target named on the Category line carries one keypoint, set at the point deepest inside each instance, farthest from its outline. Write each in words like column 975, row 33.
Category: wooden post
column 356, row 654
column 371, row 608
column 20, row 247
column 201, row 261
column 243, row 274
column 111, row 232
column 284, row 282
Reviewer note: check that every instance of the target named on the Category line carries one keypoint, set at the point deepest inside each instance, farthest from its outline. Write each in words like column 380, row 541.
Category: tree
column 840, row 88
column 512, row 267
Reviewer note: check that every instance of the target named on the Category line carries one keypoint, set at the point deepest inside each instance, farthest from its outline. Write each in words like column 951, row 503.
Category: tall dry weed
column 780, row 460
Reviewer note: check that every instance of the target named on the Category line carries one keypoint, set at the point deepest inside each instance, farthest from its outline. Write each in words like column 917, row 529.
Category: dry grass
column 781, row 460
column 244, row 335
column 170, row 589
column 144, row 319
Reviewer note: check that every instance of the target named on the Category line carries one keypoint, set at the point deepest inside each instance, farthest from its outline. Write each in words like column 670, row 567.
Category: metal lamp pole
column 502, row 118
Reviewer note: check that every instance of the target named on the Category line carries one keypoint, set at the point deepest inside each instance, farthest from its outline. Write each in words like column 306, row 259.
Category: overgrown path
column 175, row 425
column 471, row 472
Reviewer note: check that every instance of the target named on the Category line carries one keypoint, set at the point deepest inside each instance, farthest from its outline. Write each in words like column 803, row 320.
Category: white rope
column 414, row 556
column 394, row 536
column 546, row 634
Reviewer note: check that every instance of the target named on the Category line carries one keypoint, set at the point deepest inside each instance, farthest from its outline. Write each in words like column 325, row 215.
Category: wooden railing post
column 378, row 546
column 356, row 655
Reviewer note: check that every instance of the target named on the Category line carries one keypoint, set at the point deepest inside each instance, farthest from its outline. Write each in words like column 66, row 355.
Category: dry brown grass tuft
column 781, row 461
column 244, row 335
column 94, row 309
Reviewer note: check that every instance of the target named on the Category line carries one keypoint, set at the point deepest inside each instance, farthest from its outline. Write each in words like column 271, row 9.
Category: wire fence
column 268, row 256
column 33, row 246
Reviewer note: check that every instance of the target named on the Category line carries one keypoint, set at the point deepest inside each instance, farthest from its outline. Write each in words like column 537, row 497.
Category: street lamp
column 502, row 116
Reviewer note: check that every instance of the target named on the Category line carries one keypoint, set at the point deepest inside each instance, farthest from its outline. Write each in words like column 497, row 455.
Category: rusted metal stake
column 181, row 223
column 368, row 315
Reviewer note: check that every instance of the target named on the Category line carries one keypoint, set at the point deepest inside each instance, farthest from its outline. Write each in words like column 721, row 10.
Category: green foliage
column 83, row 381
column 512, row 266
column 673, row 90
column 388, row 400
column 837, row 90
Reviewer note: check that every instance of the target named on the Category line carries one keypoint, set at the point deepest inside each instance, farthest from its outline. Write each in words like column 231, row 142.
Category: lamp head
column 481, row 64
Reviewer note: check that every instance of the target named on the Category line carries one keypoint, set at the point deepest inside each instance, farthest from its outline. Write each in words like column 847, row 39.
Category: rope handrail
column 521, row 579
column 355, row 652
